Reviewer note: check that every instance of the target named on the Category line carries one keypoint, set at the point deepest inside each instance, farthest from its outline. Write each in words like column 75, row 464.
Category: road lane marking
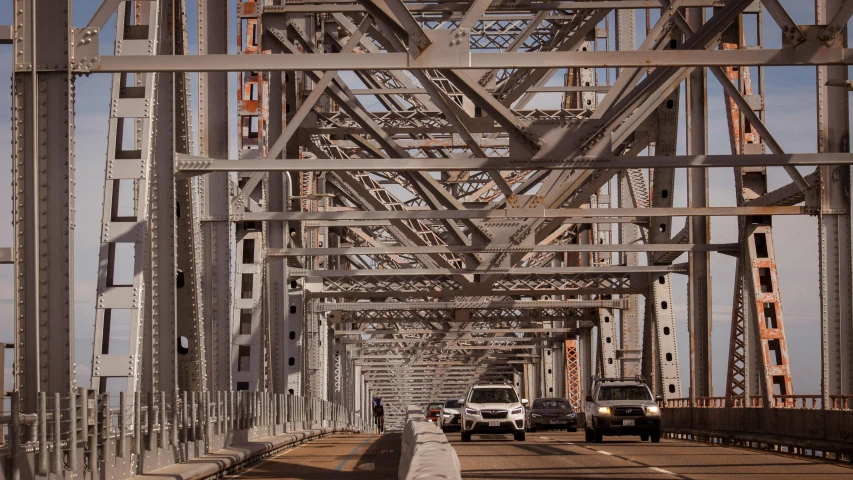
column 347, row 458
column 545, row 438
column 602, row 451
column 662, row 470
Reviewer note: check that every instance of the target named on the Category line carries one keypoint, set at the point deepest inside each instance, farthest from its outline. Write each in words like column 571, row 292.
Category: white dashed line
column 605, row 453
column 662, row 470
column 545, row 438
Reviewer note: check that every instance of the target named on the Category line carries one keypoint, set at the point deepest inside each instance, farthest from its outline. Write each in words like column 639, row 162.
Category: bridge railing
column 798, row 424
column 122, row 435
column 809, row 402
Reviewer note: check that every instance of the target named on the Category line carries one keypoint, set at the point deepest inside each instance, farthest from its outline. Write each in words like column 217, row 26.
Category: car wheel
column 572, row 429
column 519, row 437
column 444, row 429
column 466, row 437
column 588, row 433
column 597, row 436
column 656, row 437
column 644, row 438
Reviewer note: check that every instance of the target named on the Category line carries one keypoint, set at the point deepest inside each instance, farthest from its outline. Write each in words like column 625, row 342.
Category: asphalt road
column 336, row 457
column 561, row 455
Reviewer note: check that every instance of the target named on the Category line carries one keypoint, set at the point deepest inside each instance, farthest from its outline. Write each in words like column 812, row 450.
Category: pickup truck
column 621, row 406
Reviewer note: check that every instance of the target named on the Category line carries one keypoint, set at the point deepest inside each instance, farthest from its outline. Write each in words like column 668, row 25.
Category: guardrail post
column 57, row 435
column 229, row 395
column 218, row 412
column 92, row 416
column 106, row 417
column 207, row 426
column 42, row 425
column 163, row 419
column 15, row 433
column 229, row 410
column 137, row 423
column 72, row 431
column 149, row 439
column 185, row 432
column 173, row 437
column 122, row 425
column 193, row 413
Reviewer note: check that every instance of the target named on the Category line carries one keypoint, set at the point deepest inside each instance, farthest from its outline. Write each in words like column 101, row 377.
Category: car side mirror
column 659, row 398
column 589, row 398
column 524, row 401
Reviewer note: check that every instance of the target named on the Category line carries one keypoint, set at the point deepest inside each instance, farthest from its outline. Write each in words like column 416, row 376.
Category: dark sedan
column 552, row 413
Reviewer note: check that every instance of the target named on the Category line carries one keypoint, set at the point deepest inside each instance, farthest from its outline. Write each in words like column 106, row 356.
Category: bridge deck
column 559, row 455
column 351, row 457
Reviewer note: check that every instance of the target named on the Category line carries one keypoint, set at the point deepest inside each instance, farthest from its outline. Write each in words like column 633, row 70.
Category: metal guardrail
column 809, row 402
column 796, row 424
column 122, row 436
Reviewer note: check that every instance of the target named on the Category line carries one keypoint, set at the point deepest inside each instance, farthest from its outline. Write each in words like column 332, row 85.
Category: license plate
column 494, row 424
column 555, row 421
column 627, row 423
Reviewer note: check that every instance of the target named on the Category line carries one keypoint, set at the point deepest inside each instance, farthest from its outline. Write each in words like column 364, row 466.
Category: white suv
column 493, row 409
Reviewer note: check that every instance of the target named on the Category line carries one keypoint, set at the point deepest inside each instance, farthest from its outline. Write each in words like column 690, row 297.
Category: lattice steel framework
column 425, row 196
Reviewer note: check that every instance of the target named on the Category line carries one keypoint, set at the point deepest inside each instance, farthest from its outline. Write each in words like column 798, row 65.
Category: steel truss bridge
column 406, row 198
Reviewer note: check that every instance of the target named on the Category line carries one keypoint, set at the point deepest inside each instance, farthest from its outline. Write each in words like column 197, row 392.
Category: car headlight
column 517, row 411
column 572, row 414
column 535, row 415
column 446, row 415
column 652, row 410
column 471, row 411
column 604, row 410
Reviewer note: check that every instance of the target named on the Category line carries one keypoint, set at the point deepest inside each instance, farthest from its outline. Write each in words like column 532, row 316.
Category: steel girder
column 435, row 207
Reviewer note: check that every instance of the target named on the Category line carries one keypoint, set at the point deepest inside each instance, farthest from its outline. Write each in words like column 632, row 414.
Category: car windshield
column 434, row 406
column 453, row 404
column 624, row 393
column 551, row 403
column 493, row 395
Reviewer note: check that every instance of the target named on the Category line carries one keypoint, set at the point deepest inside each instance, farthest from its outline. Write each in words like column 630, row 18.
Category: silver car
column 451, row 414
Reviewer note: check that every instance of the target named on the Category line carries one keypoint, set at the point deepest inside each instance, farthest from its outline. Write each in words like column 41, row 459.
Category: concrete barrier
column 426, row 453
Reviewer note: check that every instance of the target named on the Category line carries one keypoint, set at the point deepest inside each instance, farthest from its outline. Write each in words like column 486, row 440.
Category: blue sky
column 791, row 113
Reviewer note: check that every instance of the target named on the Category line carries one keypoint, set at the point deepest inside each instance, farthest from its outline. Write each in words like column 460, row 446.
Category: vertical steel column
column 43, row 190
column 585, row 361
column 214, row 192
column 277, row 232
column 128, row 174
column 315, row 350
column 607, row 343
column 573, row 379
column 744, row 369
column 190, row 341
column 699, row 313
column 660, row 348
column 763, row 336
column 548, row 367
column 295, row 346
column 248, row 328
column 629, row 318
column 836, row 284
